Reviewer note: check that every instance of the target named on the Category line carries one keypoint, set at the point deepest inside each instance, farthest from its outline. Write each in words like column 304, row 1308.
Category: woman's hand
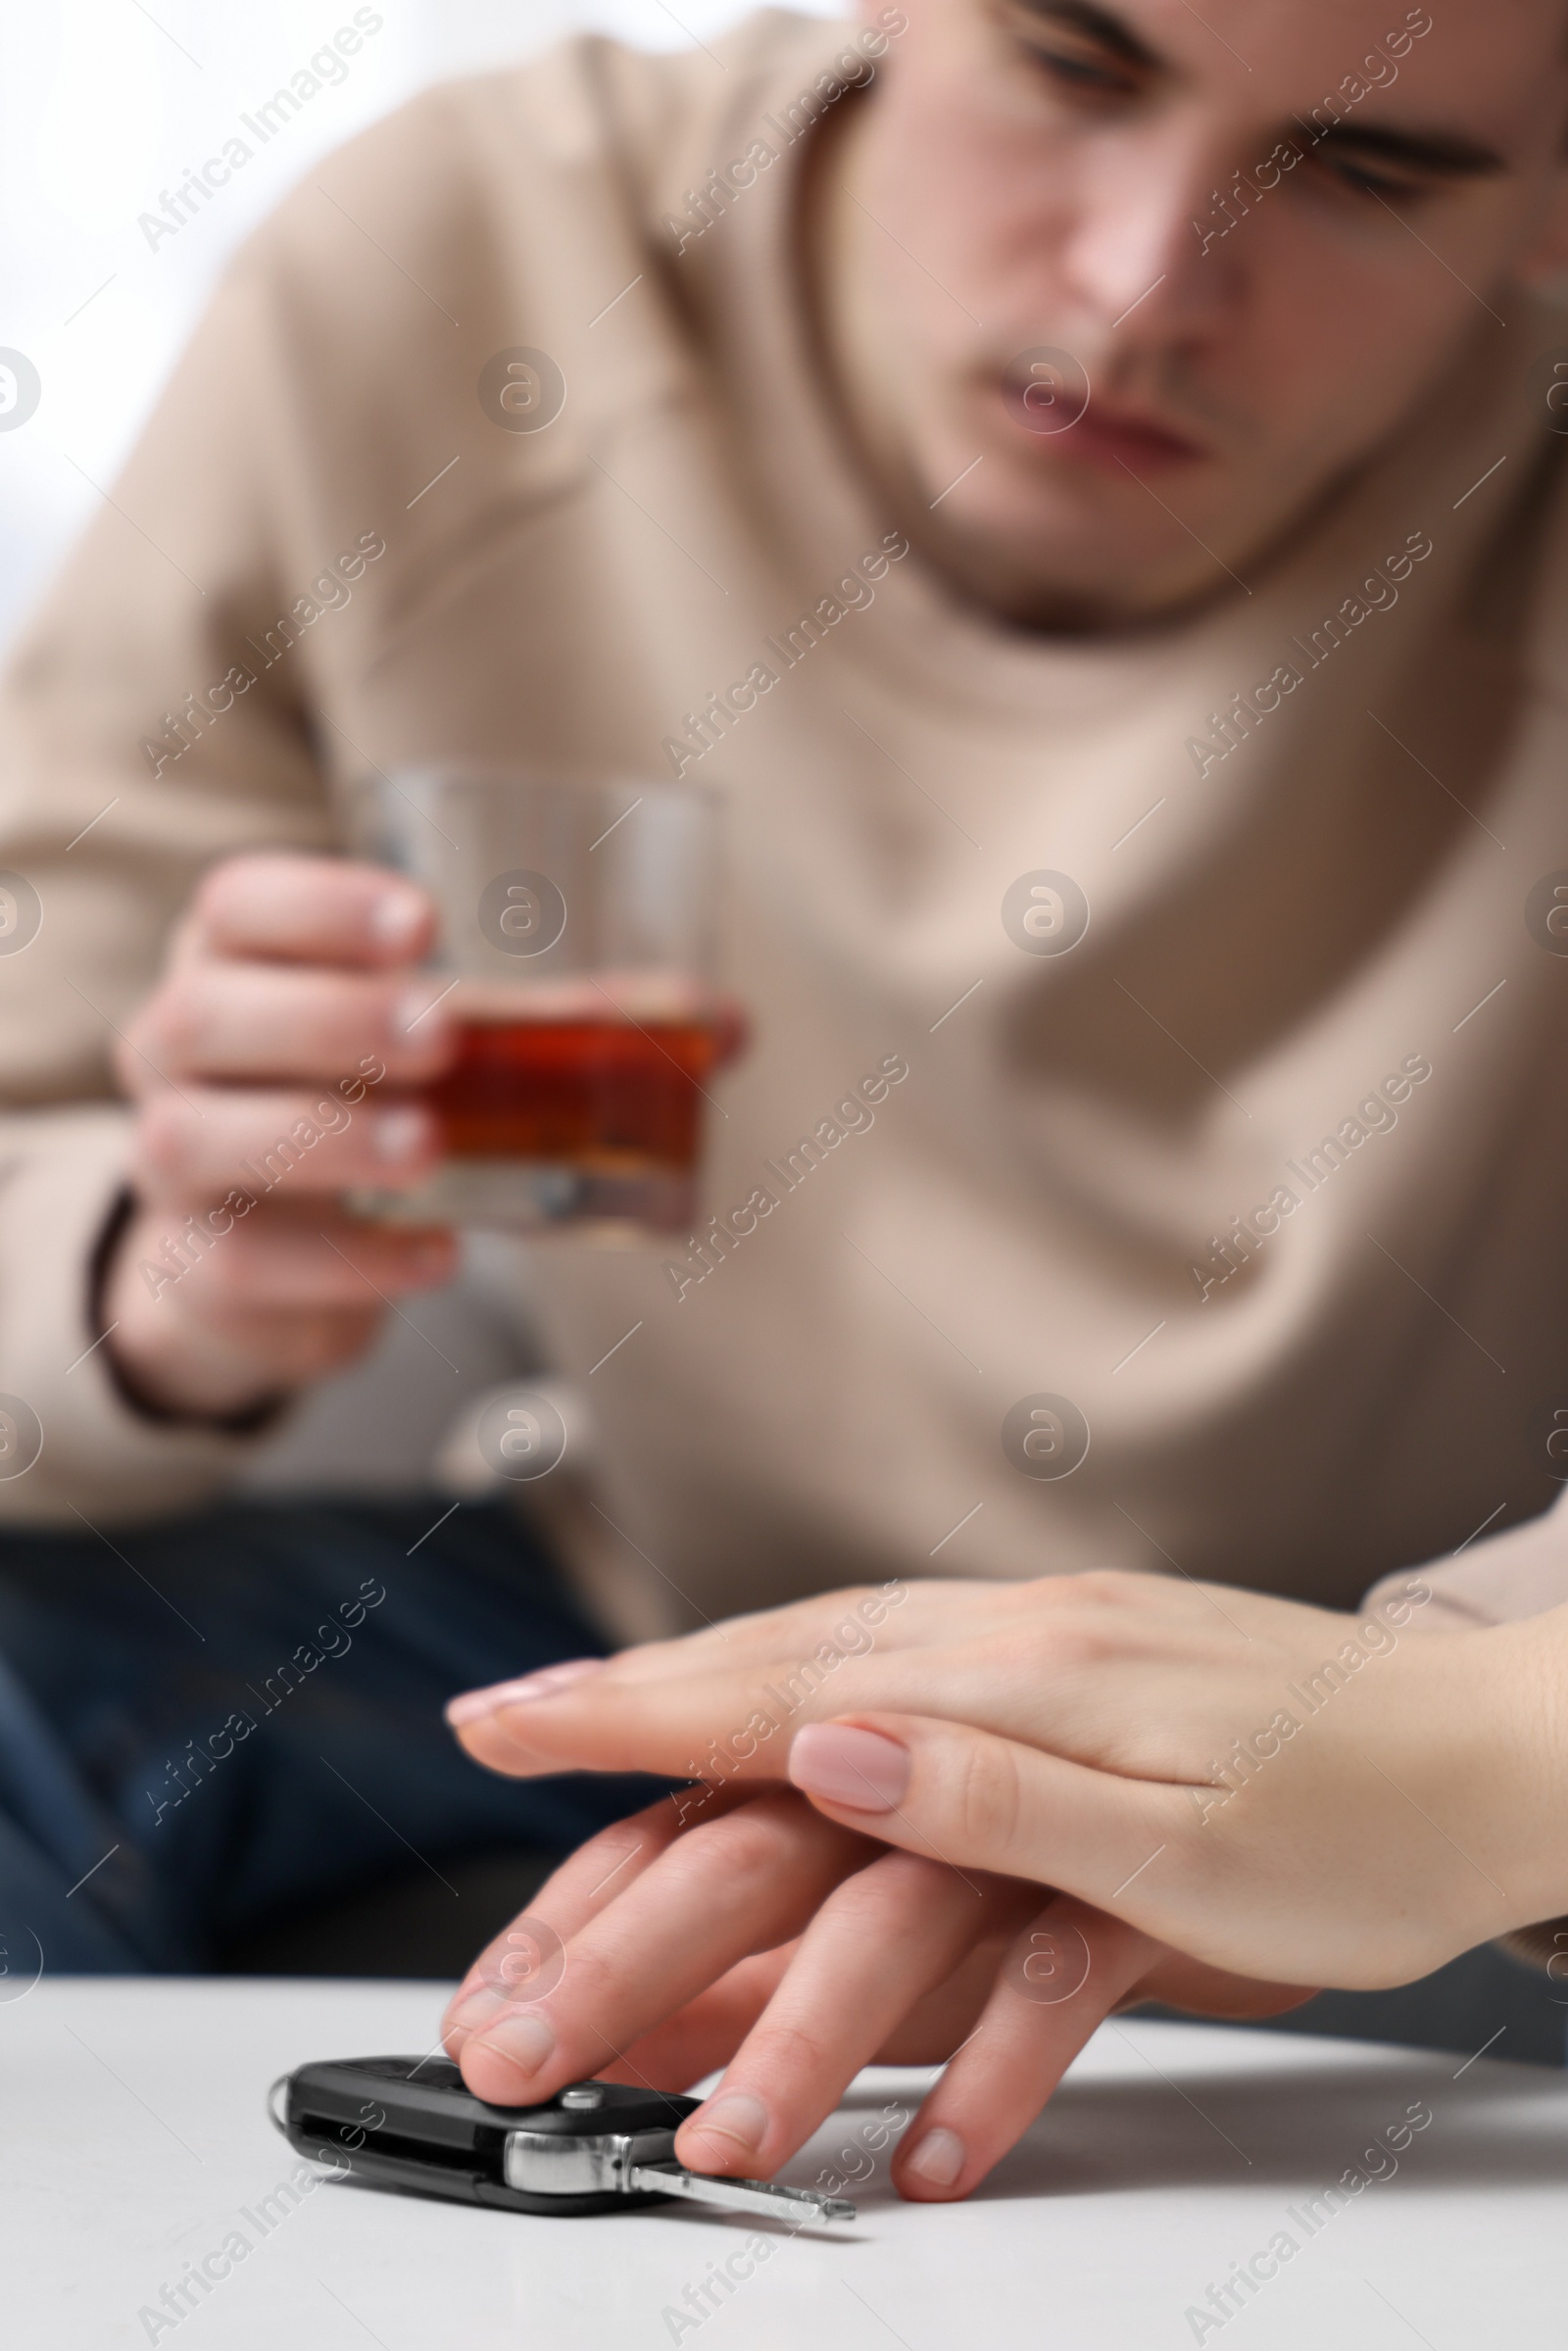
column 793, row 1950
column 1273, row 1789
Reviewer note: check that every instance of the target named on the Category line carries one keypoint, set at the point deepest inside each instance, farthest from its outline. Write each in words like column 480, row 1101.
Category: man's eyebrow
column 1447, row 154
column 1097, row 25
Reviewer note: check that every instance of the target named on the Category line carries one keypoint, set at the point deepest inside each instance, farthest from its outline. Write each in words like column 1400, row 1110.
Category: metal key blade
column 737, row 2196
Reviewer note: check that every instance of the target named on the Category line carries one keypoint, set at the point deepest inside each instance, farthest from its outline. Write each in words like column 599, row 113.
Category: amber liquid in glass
column 607, row 1096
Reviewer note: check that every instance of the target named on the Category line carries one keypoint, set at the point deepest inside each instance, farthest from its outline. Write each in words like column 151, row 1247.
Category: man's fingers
column 604, row 1870
column 204, row 1142
column 880, row 1942
column 310, row 910
column 988, row 1803
column 944, row 2017
column 608, row 1866
column 735, row 1886
column 706, row 2033
column 1069, row 1968
column 254, row 1020
column 274, row 1259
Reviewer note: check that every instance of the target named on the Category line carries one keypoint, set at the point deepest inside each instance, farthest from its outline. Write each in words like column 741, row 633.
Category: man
column 1084, row 484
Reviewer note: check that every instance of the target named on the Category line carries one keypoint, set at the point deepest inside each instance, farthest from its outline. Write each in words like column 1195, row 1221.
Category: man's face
column 1263, row 231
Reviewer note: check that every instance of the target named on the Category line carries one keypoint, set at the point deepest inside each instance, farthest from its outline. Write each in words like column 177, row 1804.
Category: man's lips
column 1053, row 403
column 1107, row 437
column 1118, row 438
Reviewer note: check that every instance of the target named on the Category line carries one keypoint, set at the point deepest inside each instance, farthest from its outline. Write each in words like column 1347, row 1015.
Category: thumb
column 975, row 1800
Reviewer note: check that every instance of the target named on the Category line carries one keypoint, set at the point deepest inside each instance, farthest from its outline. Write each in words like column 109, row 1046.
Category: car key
column 410, row 2123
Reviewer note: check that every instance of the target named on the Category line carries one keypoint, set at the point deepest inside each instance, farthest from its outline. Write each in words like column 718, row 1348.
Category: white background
column 105, row 103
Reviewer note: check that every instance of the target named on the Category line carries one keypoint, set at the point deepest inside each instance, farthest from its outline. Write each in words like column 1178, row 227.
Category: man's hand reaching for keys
column 792, row 1951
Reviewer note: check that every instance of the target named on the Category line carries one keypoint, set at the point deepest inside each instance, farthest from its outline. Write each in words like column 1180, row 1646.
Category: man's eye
column 1080, row 66
column 1082, row 71
column 1083, row 76
column 1363, row 181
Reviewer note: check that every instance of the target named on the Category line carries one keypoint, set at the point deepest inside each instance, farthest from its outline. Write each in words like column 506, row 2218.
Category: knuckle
column 1081, row 1645
column 1095, row 1587
column 361, row 1012
column 599, row 1980
column 1113, row 1586
column 894, row 1886
column 610, row 1855
column 162, row 1135
column 786, row 2049
column 226, row 898
column 747, row 1842
column 987, row 1796
column 169, row 1026
column 1065, row 1643
column 1030, row 1653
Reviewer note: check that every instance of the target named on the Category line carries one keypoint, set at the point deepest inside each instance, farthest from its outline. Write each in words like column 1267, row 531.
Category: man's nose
column 1141, row 255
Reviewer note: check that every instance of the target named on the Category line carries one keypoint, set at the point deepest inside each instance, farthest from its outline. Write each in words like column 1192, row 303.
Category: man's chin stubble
column 1069, row 590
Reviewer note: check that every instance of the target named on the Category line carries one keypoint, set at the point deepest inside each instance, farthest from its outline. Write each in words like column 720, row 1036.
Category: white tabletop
column 136, row 2141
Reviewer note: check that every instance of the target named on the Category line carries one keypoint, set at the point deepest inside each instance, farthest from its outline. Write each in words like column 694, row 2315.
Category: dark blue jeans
column 208, row 1724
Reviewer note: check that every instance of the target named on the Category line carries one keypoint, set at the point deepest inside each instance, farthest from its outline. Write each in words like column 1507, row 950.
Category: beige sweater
column 1264, row 1176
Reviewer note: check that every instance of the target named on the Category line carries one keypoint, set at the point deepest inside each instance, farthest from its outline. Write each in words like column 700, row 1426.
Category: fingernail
column 419, row 1010
column 477, row 2010
column 938, row 2158
column 401, row 1134
column 525, row 2038
column 734, row 2117
column 545, row 1684
column 397, row 918
column 860, row 1769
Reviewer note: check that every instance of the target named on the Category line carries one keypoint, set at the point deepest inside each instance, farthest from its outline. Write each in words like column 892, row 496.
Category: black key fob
column 596, row 2146
column 409, row 2123
column 593, row 2148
